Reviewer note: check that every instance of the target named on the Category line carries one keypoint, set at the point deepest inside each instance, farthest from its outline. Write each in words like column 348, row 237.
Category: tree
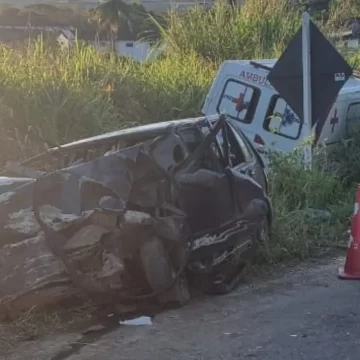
column 109, row 17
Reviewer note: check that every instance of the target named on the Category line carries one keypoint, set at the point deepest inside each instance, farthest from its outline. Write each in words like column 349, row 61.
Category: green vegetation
column 113, row 19
column 301, row 230
column 259, row 29
column 118, row 19
column 64, row 95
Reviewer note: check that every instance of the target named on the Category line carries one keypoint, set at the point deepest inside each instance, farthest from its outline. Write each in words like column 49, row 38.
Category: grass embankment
column 60, row 96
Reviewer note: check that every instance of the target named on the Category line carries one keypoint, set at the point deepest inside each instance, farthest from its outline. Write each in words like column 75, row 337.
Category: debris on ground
column 94, row 328
column 142, row 320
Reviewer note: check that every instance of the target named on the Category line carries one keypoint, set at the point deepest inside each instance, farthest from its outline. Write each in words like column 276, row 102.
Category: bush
column 343, row 159
column 312, row 208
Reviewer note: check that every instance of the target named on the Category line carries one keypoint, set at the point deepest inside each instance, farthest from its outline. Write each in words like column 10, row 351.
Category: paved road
column 306, row 314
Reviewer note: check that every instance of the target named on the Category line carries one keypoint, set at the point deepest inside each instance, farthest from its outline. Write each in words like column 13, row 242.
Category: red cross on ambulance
column 239, row 102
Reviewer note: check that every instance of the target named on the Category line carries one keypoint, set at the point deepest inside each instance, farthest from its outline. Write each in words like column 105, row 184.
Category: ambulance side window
column 353, row 119
column 238, row 101
column 281, row 119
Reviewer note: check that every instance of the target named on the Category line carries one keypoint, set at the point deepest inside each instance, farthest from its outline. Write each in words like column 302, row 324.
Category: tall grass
column 63, row 95
column 340, row 11
column 50, row 96
column 261, row 28
column 312, row 208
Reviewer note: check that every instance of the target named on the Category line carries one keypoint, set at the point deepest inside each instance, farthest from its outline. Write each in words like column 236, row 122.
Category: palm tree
column 109, row 16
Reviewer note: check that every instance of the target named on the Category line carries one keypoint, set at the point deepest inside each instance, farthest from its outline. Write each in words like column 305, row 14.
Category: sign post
column 307, row 95
column 309, row 76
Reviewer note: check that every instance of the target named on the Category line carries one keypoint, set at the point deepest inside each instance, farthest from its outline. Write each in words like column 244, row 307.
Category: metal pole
column 306, row 67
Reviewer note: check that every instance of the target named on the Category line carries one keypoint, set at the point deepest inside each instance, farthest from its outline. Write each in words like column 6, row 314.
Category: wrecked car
column 132, row 215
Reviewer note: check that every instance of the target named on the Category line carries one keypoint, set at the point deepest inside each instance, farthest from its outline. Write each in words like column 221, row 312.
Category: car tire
column 263, row 234
column 160, row 273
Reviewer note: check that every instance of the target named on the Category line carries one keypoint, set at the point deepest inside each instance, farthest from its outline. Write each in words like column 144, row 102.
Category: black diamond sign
column 329, row 72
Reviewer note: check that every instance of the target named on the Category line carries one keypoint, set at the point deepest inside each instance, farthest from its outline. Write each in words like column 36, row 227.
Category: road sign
column 329, row 72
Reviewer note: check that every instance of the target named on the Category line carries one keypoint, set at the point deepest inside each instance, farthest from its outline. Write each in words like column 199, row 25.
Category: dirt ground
column 302, row 313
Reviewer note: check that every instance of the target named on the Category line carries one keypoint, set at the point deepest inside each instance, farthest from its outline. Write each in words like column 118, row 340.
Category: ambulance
column 242, row 91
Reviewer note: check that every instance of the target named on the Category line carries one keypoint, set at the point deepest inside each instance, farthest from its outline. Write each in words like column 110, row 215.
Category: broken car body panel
column 183, row 180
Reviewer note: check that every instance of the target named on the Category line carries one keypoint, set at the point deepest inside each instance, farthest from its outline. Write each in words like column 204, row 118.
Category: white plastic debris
column 142, row 320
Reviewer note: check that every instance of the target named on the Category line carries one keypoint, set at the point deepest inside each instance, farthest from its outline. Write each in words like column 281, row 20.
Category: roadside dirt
column 33, row 325
column 303, row 313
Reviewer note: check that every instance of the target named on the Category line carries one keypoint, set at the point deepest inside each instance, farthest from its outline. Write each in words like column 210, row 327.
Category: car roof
column 149, row 130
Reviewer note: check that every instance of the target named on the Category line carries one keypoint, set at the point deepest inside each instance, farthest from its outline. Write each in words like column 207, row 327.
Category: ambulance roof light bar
column 259, row 65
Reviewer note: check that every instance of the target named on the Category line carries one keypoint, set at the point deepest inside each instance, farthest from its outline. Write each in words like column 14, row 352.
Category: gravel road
column 305, row 314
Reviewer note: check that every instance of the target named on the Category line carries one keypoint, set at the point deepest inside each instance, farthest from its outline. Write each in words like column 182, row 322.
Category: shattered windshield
column 216, row 146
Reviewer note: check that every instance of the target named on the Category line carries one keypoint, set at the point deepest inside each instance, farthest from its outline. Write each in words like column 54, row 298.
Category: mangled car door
column 202, row 187
column 243, row 158
column 249, row 191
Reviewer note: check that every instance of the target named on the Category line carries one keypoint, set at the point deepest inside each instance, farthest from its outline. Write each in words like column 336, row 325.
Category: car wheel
column 263, row 234
column 160, row 273
column 232, row 272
